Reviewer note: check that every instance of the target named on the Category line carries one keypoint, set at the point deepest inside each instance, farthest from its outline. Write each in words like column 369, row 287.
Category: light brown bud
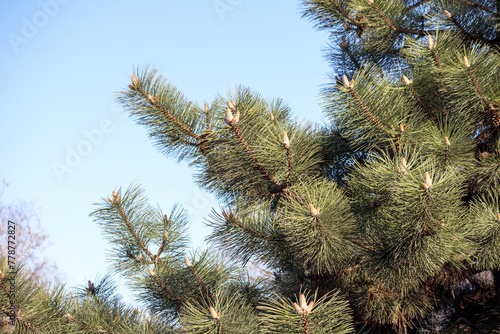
column 231, row 105
column 297, row 308
column 448, row 14
column 466, row 62
column 150, row 98
column 131, row 87
column 498, row 217
column 303, row 302
column 139, row 257
column 157, row 99
column 430, row 42
column 213, row 314
column 310, row 306
column 237, row 117
column 229, row 117
column 442, row 222
column 406, row 80
column 401, row 128
column 1, row 275
column 347, row 84
column 447, row 141
column 427, row 181
column 485, row 154
column 69, row 316
column 286, row 141
column 206, row 107
column 134, row 80
column 165, row 234
column 151, row 273
column 314, row 211
column 370, row 2
column 351, row 84
column 271, row 116
column 188, row 263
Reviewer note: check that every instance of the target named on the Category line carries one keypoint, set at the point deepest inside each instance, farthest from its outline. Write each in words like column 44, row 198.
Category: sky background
column 62, row 63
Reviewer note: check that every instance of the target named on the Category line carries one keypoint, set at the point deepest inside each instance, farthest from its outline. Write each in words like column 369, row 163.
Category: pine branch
column 163, row 287
column 156, row 104
column 89, row 327
column 365, row 109
column 476, row 5
column 198, row 279
column 467, row 34
column 230, row 218
column 6, row 289
column 117, row 202
column 253, row 158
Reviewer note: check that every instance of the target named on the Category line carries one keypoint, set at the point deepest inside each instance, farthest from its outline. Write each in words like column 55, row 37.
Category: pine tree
column 386, row 220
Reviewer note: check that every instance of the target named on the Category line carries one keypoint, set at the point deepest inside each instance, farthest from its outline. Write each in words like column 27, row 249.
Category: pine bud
column 165, row 234
column 69, row 316
column 303, row 302
column 271, row 116
column 466, row 62
column 428, row 182
column 314, row 211
column 310, row 306
column 229, row 117
column 188, row 263
column 498, row 217
column 432, row 45
column 140, row 258
column 370, row 2
column 157, row 99
column 401, row 128
column 150, row 98
column 447, row 141
column 206, row 107
column 231, row 105
column 1, row 275
column 442, row 222
column 485, row 154
column 237, row 117
column 297, row 308
column 346, row 82
column 448, row 14
column 131, row 87
column 286, row 141
column 151, row 273
column 406, row 80
column 134, row 80
column 213, row 314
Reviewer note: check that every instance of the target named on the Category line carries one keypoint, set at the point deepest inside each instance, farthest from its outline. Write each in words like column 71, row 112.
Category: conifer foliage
column 385, row 220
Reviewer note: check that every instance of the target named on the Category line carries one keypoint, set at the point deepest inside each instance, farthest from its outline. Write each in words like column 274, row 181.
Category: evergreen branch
column 199, row 280
column 476, row 85
column 27, row 324
column 476, row 5
column 391, row 26
column 218, row 323
column 230, row 218
column 417, row 98
column 6, row 289
column 155, row 103
column 367, row 111
column 417, row 4
column 382, row 16
column 89, row 327
column 131, row 229
column 252, row 156
column 345, row 14
column 290, row 166
column 305, row 324
column 207, row 114
column 467, row 34
column 163, row 287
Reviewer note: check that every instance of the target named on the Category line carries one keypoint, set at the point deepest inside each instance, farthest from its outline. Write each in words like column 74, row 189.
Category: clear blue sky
column 62, row 65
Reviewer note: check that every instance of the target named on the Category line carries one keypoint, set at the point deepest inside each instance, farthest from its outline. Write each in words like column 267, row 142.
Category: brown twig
column 165, row 289
column 132, row 230
column 367, row 111
column 199, row 280
column 253, row 158
column 230, row 218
